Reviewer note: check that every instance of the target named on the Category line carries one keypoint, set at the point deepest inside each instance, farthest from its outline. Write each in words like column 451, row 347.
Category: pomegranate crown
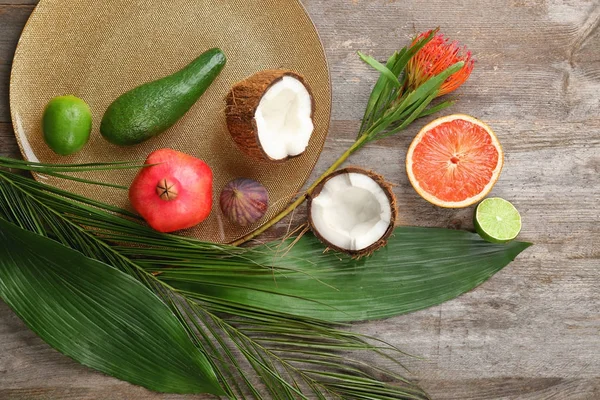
column 435, row 57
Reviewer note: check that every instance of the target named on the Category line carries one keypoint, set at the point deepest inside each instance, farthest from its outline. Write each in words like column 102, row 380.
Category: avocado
column 152, row 108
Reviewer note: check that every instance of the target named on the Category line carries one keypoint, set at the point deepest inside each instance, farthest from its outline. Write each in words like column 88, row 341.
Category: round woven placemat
column 99, row 50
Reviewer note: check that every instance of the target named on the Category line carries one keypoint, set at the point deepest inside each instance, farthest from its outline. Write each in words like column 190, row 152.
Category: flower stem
column 301, row 199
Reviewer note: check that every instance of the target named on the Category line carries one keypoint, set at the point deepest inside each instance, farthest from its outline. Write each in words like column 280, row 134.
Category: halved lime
column 497, row 220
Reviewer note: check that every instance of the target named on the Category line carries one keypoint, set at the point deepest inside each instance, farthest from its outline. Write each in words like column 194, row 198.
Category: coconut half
column 353, row 210
column 270, row 115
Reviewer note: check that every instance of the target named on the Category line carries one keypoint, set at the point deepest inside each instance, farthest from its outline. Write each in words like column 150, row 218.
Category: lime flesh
column 67, row 123
column 497, row 220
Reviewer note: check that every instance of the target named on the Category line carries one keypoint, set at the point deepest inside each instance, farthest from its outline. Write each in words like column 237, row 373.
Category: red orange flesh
column 454, row 161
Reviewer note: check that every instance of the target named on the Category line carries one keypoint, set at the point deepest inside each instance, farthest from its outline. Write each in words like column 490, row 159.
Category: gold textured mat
column 99, row 50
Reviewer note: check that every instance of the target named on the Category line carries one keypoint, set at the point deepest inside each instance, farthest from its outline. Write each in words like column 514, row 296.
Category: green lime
column 67, row 124
column 497, row 221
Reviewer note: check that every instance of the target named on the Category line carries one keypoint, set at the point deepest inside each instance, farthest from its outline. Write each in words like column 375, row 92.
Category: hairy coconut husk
column 242, row 102
column 387, row 188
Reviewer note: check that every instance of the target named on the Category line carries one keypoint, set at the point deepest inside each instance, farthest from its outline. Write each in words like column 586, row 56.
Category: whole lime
column 67, row 124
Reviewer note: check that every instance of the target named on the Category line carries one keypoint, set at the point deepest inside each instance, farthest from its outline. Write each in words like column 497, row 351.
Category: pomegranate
column 174, row 193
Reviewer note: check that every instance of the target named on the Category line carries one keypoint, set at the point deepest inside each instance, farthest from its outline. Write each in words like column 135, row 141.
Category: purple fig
column 244, row 201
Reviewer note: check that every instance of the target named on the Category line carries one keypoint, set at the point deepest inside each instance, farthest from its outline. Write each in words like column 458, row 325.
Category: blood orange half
column 454, row 161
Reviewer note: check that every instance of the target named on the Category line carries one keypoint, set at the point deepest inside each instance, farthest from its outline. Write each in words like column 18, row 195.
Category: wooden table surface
column 533, row 330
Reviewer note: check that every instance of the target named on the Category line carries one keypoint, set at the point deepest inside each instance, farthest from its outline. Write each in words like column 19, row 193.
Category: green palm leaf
column 98, row 315
column 419, row 268
column 253, row 353
column 280, row 349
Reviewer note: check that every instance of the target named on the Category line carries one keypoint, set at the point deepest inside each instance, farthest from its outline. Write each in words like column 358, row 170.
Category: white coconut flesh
column 352, row 211
column 283, row 119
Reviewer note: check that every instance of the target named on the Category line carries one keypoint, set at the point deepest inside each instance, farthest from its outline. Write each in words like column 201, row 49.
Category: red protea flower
column 437, row 55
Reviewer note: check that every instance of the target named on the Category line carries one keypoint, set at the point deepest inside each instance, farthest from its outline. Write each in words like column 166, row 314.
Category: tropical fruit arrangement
column 175, row 314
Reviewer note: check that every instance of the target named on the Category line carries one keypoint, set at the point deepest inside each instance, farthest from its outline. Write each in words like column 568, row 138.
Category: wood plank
column 516, row 389
column 12, row 20
column 100, row 392
column 508, row 72
column 8, row 144
column 4, row 85
column 501, row 389
column 18, row 2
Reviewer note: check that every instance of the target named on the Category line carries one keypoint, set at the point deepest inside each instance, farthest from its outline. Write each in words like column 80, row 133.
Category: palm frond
column 120, row 327
column 250, row 354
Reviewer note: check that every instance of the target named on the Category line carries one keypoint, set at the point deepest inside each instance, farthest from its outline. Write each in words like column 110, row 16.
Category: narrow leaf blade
column 380, row 92
column 419, row 268
column 381, row 68
column 98, row 315
column 437, row 108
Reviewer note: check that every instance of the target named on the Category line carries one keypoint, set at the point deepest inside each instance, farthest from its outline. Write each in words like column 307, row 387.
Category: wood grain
column 13, row 20
column 533, row 331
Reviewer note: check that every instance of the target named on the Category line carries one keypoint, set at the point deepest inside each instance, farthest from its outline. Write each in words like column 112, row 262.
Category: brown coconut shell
column 243, row 100
column 387, row 188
